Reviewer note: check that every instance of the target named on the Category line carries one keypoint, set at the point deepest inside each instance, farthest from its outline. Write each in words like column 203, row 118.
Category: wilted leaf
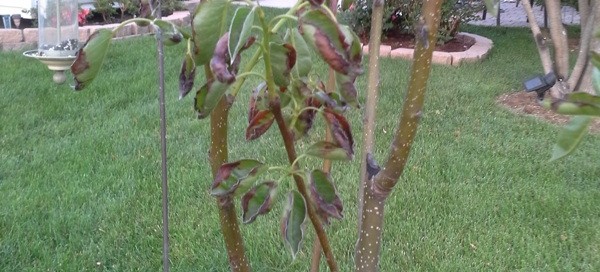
column 261, row 122
column 570, row 137
column 292, row 226
column 169, row 32
column 187, row 75
column 236, row 176
column 257, row 101
column 240, row 29
column 306, row 118
column 303, row 55
column 283, row 59
column 347, row 89
column 327, row 38
column 219, row 63
column 328, row 150
column 208, row 96
column 325, row 196
column 208, row 24
column 90, row 58
column 258, row 201
column 340, row 129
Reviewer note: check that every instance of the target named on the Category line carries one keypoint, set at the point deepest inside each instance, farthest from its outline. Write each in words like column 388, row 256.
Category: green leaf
column 90, row 58
column 283, row 59
column 169, row 32
column 258, row 201
column 570, row 137
column 492, row 6
column 292, row 225
column 240, row 29
column 208, row 25
column 328, row 150
column 236, row 176
column 347, row 89
column 208, row 96
column 578, row 103
column 303, row 55
column 325, row 196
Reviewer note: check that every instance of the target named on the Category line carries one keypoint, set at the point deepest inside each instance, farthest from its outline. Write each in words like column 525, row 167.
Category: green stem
column 134, row 20
column 367, row 252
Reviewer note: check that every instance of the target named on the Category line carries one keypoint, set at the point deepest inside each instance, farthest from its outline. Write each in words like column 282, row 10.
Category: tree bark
column 585, row 82
column 580, row 79
column 558, row 34
column 368, row 246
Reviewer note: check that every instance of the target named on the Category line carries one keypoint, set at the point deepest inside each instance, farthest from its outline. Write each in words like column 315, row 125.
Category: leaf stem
column 133, row 20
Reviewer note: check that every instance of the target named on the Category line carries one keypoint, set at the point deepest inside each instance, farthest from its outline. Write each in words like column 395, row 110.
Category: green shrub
column 401, row 16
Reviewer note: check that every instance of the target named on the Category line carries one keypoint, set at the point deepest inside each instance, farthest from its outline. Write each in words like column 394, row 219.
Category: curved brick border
column 476, row 53
column 26, row 39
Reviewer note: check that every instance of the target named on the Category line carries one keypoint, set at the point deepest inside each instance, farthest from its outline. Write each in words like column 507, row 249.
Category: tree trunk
column 584, row 84
column 368, row 246
column 558, row 34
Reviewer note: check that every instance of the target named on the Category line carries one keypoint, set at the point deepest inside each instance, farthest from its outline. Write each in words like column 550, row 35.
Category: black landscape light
column 540, row 84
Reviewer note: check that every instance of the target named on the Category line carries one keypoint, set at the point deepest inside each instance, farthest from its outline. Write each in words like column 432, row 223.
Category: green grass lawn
column 80, row 174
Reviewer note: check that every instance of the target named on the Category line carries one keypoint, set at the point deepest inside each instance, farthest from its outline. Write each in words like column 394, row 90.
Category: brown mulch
column 523, row 103
column 459, row 43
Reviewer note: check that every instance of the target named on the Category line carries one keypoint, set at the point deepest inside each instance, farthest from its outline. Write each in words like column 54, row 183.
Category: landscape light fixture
column 58, row 36
column 540, row 84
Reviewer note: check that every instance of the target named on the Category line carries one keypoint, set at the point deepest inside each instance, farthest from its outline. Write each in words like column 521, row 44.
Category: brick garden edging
column 475, row 53
column 27, row 39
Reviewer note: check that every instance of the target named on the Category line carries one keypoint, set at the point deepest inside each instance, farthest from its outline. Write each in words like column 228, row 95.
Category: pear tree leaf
column 169, row 32
column 306, row 118
column 292, row 223
column 236, row 176
column 324, row 34
column 325, row 196
column 570, row 137
column 303, row 55
column 578, row 103
column 328, row 150
column 187, row 75
column 283, row 59
column 240, row 29
column 596, row 80
column 208, row 25
column 340, row 129
column 260, row 124
column 208, row 96
column 90, row 58
column 258, row 201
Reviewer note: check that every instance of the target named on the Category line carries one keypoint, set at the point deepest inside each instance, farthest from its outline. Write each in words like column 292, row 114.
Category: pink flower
column 81, row 16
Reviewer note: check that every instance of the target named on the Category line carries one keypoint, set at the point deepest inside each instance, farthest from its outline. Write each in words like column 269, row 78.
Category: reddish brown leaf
column 340, row 129
column 258, row 201
column 325, row 196
column 259, row 124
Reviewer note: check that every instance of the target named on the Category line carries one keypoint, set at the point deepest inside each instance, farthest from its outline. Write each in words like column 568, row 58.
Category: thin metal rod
column 163, row 144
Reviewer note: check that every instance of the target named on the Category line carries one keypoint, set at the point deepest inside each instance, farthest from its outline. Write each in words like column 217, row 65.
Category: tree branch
column 584, row 47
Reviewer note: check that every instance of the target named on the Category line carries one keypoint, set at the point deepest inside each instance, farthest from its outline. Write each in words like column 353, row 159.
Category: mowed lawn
column 80, row 173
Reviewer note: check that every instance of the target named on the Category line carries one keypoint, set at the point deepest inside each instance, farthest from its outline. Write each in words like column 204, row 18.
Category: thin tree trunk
column 218, row 155
column 558, row 34
column 542, row 46
column 367, row 252
column 580, row 79
column 371, row 103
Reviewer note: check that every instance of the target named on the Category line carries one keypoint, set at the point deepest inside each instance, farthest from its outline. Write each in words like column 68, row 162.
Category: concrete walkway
column 513, row 16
